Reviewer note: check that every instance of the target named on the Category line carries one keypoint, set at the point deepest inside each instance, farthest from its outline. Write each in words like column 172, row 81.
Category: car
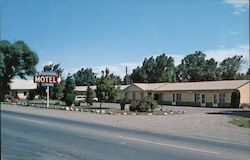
column 95, row 99
column 80, row 99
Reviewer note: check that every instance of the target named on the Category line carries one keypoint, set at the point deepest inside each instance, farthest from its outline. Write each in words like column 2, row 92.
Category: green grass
column 241, row 122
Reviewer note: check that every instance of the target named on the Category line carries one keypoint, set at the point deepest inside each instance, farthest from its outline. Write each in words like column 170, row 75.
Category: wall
column 244, row 93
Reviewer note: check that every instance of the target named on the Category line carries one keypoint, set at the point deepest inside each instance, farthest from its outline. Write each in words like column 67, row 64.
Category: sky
column 118, row 33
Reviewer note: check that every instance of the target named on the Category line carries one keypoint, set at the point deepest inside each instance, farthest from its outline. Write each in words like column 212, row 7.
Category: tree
column 85, row 77
column 106, row 89
column 195, row 67
column 89, row 96
column 69, row 87
column 161, row 69
column 230, row 67
column 16, row 59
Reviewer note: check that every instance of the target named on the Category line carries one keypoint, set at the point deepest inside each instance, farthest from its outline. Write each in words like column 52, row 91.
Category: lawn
column 241, row 122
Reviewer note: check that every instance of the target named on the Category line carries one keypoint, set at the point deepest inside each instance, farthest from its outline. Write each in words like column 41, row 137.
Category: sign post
column 47, row 79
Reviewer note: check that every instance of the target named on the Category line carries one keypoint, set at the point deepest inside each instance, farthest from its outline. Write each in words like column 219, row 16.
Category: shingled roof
column 207, row 85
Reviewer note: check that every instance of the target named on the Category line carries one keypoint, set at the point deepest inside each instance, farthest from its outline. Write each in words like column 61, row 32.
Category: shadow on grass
column 245, row 114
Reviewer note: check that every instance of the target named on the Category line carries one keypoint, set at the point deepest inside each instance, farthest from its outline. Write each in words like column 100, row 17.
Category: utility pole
column 126, row 77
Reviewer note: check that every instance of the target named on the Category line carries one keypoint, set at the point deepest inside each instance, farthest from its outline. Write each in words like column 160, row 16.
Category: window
column 149, row 93
column 202, row 98
column 197, row 97
column 25, row 93
column 178, row 95
column 222, row 97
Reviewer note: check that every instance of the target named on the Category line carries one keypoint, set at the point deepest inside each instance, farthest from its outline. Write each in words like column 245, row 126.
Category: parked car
column 95, row 99
column 80, row 99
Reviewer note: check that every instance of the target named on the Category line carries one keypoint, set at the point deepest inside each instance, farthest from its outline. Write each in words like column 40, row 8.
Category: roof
column 21, row 84
column 148, row 86
column 83, row 88
column 206, row 85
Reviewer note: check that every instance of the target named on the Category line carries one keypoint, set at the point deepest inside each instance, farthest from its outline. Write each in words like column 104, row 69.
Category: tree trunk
column 100, row 104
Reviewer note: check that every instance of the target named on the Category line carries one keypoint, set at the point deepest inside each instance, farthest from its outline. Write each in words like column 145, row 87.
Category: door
column 215, row 100
column 174, row 99
column 133, row 96
column 203, row 100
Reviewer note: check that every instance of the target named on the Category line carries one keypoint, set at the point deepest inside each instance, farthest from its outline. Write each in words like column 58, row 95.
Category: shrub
column 31, row 95
column 245, row 105
column 123, row 103
column 143, row 105
column 235, row 99
column 134, row 106
column 70, row 98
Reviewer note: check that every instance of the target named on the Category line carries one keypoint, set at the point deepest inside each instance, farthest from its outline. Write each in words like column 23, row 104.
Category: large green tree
column 85, row 77
column 195, row 67
column 230, row 67
column 106, row 87
column 161, row 69
column 69, row 86
column 16, row 59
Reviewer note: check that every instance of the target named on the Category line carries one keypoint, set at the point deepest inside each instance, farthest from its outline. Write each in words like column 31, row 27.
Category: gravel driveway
column 197, row 122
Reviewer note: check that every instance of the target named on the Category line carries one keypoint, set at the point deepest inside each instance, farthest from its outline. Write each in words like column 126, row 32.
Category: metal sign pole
column 48, row 96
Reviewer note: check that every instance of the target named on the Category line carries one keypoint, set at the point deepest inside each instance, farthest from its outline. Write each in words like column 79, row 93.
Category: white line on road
column 31, row 120
column 170, row 145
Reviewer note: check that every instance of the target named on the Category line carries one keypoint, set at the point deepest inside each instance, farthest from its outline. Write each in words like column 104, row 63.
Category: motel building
column 20, row 88
column 203, row 94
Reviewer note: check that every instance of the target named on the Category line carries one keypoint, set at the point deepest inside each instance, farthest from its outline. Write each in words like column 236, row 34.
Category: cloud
column 233, row 33
column 222, row 53
column 218, row 54
column 240, row 6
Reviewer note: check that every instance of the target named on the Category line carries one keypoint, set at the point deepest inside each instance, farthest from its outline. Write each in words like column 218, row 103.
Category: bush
column 70, row 99
column 143, row 105
column 245, row 105
column 123, row 103
column 31, row 95
column 134, row 106
column 235, row 99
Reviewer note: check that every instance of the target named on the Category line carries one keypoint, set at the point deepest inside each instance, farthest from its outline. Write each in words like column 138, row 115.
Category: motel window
column 197, row 97
column 25, row 93
column 149, row 93
column 222, row 98
column 178, row 96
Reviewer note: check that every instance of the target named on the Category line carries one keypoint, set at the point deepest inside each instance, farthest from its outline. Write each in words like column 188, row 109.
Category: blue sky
column 119, row 33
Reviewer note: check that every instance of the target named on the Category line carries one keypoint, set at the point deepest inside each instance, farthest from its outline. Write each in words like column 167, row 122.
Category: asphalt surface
column 30, row 137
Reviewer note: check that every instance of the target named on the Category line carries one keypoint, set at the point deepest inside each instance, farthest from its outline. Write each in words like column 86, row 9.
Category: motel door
column 203, row 100
column 215, row 100
column 174, row 99
column 133, row 96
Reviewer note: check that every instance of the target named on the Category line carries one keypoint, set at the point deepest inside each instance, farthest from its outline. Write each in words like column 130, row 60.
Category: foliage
column 106, row 90
column 57, row 90
column 85, row 77
column 230, row 66
column 31, row 95
column 245, row 105
column 16, row 59
column 241, row 122
column 161, row 69
column 70, row 99
column 69, row 87
column 123, row 103
column 89, row 96
column 235, row 99
column 143, row 105
column 194, row 67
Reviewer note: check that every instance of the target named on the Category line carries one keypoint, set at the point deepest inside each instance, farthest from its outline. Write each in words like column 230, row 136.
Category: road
column 29, row 136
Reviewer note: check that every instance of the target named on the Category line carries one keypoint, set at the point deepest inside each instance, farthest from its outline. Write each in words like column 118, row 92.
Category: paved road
column 27, row 136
